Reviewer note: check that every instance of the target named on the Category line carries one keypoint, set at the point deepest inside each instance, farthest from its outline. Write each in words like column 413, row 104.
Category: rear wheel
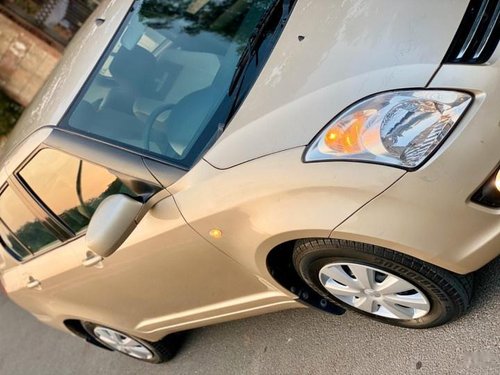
column 380, row 283
column 134, row 347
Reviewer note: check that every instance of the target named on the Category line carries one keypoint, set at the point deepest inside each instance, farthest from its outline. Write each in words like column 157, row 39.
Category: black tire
column 162, row 351
column 449, row 294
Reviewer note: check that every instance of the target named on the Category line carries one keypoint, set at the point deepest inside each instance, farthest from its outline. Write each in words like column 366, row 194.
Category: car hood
column 331, row 54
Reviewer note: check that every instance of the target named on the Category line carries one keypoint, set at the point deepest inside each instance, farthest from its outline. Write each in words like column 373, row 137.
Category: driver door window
column 70, row 188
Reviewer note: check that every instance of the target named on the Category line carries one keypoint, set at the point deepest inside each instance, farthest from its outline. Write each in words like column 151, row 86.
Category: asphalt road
column 291, row 342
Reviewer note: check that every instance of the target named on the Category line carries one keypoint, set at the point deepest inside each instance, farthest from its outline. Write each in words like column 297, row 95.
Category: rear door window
column 11, row 244
column 21, row 231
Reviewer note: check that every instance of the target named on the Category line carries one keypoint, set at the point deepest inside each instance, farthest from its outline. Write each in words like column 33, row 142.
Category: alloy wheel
column 122, row 343
column 374, row 291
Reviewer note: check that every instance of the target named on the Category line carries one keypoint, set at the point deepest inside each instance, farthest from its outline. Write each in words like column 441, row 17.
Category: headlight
column 400, row 128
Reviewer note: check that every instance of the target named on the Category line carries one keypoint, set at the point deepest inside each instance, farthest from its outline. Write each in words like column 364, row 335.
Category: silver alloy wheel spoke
column 365, row 304
column 340, row 276
column 365, row 275
column 389, row 297
column 338, row 289
column 138, row 351
column 107, row 340
column 415, row 301
column 399, row 312
column 116, row 336
column 393, row 284
column 122, row 343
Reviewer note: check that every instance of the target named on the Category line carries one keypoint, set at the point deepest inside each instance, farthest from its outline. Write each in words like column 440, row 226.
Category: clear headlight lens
column 399, row 128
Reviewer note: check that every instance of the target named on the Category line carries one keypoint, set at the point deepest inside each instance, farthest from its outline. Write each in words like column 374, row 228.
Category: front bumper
column 428, row 213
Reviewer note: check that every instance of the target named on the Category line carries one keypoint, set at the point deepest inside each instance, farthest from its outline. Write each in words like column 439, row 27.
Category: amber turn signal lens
column 215, row 233
column 346, row 139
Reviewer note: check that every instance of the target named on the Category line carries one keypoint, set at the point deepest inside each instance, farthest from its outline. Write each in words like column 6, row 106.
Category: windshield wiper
column 255, row 41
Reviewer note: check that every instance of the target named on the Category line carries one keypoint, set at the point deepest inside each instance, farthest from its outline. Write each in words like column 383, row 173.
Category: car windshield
column 164, row 77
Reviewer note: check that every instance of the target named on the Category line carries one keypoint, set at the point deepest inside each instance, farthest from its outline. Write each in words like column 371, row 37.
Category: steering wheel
column 151, row 121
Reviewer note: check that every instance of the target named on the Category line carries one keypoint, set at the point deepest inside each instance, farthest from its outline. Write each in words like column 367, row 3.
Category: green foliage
column 35, row 236
column 28, row 6
column 9, row 113
column 223, row 17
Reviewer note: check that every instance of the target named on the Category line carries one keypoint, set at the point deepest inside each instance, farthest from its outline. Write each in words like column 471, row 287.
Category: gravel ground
column 291, row 342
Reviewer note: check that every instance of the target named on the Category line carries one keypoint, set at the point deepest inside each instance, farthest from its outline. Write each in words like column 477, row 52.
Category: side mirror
column 114, row 220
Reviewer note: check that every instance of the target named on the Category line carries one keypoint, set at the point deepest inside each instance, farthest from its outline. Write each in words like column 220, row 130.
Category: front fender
column 260, row 204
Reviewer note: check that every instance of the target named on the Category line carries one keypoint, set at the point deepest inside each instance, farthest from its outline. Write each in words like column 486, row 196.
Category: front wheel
column 380, row 283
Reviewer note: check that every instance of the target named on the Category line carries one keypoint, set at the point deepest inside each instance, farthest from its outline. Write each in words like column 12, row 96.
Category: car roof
column 64, row 83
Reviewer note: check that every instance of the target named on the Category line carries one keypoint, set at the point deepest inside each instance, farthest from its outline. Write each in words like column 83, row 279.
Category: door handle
column 92, row 260
column 33, row 283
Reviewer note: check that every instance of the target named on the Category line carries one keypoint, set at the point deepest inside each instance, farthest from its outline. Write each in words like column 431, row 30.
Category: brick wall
column 25, row 61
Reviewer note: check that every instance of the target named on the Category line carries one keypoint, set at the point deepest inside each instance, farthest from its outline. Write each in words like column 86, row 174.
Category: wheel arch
column 279, row 264
column 75, row 326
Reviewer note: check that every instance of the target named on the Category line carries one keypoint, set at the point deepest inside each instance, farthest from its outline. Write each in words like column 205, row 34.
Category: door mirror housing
column 112, row 223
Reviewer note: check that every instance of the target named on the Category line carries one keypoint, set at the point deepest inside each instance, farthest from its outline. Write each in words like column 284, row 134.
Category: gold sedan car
column 195, row 161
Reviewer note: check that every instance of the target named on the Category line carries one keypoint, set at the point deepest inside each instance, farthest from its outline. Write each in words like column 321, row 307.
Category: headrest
column 133, row 65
